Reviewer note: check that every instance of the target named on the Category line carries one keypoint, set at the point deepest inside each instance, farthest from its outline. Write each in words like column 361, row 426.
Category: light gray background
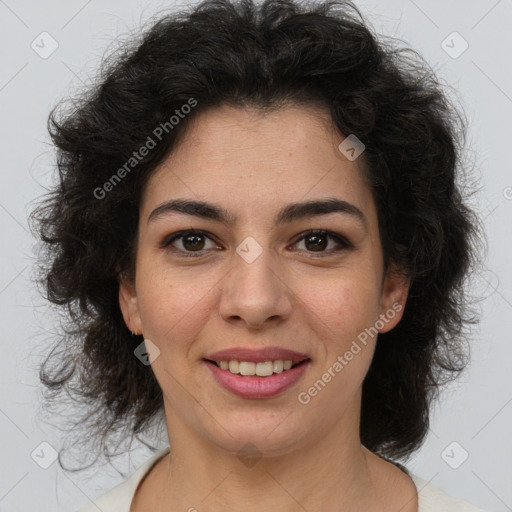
column 476, row 412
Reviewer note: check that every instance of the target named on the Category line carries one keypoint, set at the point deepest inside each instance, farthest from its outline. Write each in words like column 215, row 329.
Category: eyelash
column 343, row 242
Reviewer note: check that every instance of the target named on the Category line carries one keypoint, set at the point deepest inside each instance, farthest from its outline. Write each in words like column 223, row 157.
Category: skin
column 292, row 296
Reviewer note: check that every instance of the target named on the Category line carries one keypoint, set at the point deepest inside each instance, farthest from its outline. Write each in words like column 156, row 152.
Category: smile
column 242, row 378
column 261, row 369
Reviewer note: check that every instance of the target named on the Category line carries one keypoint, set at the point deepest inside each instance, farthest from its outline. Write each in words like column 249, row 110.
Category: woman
column 258, row 233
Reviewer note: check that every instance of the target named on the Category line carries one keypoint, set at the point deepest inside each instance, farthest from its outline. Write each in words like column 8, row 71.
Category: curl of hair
column 264, row 56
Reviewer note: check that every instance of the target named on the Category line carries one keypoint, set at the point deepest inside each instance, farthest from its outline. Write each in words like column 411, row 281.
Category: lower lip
column 254, row 386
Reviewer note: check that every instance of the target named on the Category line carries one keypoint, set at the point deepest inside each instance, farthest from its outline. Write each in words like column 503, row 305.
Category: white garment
column 119, row 499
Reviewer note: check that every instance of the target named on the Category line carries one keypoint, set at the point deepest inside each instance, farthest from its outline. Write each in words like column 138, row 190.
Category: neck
column 331, row 472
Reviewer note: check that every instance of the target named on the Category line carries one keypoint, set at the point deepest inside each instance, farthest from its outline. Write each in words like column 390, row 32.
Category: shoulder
column 432, row 499
column 119, row 499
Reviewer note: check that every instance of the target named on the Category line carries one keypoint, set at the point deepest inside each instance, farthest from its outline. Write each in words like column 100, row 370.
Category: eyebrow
column 290, row 213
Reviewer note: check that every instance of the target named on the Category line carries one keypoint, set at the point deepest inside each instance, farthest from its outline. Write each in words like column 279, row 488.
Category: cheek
column 347, row 301
column 343, row 324
column 174, row 303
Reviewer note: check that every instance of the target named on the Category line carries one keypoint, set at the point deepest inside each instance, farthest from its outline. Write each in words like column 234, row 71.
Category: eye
column 316, row 241
column 191, row 241
column 194, row 241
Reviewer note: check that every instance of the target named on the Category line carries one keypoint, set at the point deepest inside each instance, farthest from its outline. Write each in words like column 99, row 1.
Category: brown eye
column 188, row 242
column 193, row 242
column 318, row 241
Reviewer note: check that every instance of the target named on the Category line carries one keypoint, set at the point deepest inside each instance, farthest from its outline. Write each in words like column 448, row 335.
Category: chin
column 271, row 438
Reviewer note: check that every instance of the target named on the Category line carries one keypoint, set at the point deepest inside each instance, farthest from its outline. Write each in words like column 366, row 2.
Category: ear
column 129, row 305
column 395, row 289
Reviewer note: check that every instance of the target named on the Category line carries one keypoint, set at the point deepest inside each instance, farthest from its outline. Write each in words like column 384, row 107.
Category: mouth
column 257, row 369
column 257, row 380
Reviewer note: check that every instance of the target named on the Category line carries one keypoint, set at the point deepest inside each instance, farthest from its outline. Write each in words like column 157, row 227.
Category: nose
column 256, row 292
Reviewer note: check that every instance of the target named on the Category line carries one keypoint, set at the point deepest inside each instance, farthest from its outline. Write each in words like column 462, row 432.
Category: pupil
column 194, row 244
column 316, row 244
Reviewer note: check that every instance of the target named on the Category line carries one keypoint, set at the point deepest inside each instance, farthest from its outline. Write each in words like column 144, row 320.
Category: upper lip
column 259, row 355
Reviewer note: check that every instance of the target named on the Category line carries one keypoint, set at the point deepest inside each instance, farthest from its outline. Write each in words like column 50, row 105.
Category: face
column 254, row 278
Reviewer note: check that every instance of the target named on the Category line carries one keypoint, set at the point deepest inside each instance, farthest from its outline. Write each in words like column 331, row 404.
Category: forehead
column 254, row 163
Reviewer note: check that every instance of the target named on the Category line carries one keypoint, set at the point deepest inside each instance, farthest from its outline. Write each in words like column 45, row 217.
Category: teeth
column 278, row 366
column 263, row 369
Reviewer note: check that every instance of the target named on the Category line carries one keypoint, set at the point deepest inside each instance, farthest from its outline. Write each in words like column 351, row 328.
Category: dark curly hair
column 266, row 56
